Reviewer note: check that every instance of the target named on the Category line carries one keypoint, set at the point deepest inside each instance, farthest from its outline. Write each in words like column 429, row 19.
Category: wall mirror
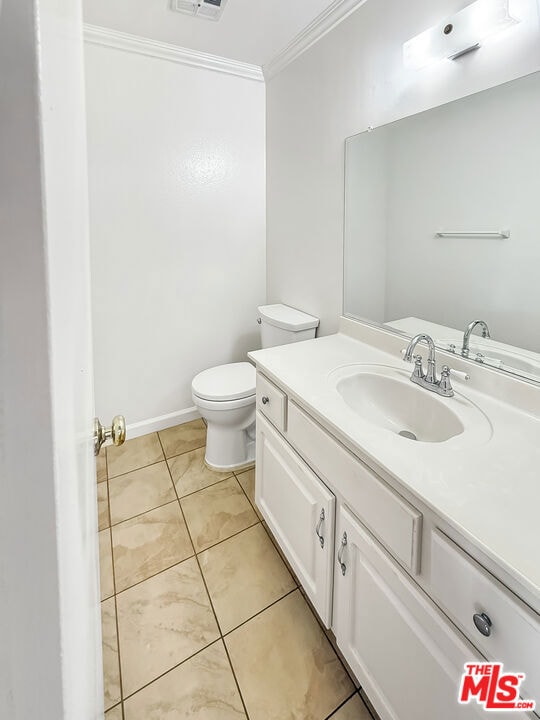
column 442, row 226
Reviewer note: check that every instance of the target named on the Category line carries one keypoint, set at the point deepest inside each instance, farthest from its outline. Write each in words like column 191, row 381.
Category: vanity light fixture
column 459, row 34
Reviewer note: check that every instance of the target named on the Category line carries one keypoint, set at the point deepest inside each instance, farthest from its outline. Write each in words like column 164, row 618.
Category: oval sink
column 386, row 398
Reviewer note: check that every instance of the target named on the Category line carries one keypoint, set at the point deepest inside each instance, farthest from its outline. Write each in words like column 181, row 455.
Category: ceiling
column 250, row 31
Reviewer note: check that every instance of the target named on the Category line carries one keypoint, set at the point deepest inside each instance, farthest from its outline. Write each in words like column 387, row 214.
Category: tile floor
column 201, row 617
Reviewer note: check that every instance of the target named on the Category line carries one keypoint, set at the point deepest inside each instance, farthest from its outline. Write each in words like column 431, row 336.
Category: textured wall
column 177, row 226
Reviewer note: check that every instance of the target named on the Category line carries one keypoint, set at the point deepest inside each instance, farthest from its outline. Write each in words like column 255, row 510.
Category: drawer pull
column 340, row 554
column 265, row 400
column 483, row 623
column 318, row 528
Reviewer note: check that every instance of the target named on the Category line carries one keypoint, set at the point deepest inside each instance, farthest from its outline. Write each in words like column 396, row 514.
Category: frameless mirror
column 442, row 226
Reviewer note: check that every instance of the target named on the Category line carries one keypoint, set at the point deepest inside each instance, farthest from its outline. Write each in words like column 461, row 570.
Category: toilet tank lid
column 287, row 318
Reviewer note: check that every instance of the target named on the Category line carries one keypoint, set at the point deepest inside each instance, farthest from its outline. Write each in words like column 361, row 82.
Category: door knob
column 116, row 433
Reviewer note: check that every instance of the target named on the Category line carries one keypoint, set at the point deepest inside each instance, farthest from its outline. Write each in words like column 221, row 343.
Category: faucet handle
column 445, row 386
column 461, row 375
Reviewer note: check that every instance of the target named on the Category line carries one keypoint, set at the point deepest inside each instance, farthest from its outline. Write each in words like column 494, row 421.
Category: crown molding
column 165, row 51
column 323, row 23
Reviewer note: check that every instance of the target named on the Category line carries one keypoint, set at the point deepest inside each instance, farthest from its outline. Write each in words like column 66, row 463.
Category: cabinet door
column 299, row 510
column 407, row 656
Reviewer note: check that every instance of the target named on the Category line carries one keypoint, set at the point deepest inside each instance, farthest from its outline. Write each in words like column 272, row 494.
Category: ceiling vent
column 209, row 9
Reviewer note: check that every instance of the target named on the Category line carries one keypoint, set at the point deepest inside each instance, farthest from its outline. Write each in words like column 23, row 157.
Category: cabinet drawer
column 272, row 402
column 392, row 519
column 464, row 588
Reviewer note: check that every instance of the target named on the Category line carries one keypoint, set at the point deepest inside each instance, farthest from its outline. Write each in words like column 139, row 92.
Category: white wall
column 177, row 178
column 350, row 79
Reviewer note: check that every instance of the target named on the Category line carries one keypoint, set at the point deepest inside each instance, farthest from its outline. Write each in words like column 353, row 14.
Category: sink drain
column 407, row 434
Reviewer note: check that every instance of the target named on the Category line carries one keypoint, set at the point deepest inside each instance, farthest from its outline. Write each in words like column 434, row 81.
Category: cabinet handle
column 265, row 400
column 483, row 623
column 318, row 528
column 340, row 554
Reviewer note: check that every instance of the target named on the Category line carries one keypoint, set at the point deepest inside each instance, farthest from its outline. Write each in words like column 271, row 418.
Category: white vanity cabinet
column 398, row 594
column 300, row 512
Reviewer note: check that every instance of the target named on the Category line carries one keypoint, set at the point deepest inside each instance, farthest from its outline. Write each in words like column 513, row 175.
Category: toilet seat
column 225, row 383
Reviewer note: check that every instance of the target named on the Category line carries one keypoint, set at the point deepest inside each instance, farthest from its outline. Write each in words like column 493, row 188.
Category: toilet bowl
column 225, row 398
column 225, row 395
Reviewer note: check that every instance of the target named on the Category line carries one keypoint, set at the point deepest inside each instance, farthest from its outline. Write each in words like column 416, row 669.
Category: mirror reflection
column 442, row 226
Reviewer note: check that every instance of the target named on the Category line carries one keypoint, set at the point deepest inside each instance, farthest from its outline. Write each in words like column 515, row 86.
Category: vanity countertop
column 490, row 492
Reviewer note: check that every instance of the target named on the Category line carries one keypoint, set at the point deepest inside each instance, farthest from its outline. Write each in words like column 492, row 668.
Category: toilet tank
column 281, row 324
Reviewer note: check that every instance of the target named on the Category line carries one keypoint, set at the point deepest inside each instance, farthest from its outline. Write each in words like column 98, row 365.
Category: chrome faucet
column 468, row 332
column 429, row 379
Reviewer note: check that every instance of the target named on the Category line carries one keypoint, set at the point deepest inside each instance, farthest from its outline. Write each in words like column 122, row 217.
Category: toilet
column 225, row 395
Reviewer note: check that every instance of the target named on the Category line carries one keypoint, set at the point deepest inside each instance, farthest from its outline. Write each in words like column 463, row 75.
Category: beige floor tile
column 105, row 564
column 244, row 575
column 103, row 505
column 190, row 473
column 133, row 454
column 163, row 621
column 149, row 543
column 139, row 491
column 202, row 688
column 114, row 714
column 217, row 512
column 247, row 481
column 111, row 668
column 183, row 438
column 285, row 666
column 354, row 709
column 101, row 466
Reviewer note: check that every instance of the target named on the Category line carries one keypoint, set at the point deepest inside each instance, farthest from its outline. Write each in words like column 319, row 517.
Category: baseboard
column 162, row 422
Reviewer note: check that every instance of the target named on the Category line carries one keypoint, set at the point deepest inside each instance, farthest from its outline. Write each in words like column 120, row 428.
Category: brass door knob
column 116, row 433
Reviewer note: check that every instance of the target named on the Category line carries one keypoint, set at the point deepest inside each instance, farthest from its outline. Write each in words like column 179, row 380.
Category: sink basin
column 386, row 398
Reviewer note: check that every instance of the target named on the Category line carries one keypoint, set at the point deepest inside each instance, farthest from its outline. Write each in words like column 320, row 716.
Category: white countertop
column 490, row 493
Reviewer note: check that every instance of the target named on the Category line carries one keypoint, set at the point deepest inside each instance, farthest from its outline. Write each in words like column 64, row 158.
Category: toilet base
column 246, row 465
column 228, row 449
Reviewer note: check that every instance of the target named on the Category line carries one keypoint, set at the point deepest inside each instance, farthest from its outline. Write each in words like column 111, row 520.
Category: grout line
column 174, row 667
column 138, row 515
column 234, row 676
column 329, row 717
column 260, row 612
column 211, row 603
column 163, row 459
column 159, row 572
column 179, row 562
column 303, row 592
column 142, row 467
column 171, row 457
column 200, row 552
column 194, row 492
